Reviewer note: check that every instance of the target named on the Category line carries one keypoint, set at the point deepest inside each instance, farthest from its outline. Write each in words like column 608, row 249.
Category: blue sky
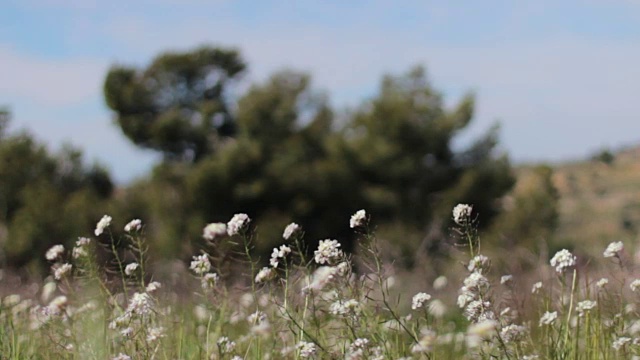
column 561, row 77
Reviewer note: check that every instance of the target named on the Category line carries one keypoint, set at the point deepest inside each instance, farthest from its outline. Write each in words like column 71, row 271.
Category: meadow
column 102, row 302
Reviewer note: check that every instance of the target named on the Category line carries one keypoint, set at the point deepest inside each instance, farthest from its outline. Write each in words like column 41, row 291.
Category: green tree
column 177, row 105
column 45, row 199
column 287, row 159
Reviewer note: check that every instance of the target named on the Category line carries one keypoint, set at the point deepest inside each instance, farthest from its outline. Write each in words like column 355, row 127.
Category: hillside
column 599, row 202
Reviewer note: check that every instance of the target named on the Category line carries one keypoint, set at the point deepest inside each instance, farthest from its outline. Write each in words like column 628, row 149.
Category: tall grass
column 330, row 305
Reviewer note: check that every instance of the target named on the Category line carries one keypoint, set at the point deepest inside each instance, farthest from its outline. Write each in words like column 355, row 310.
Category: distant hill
column 599, row 200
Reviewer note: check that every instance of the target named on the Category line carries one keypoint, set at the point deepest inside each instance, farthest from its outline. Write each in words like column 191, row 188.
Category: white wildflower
column 437, row 308
column 461, row 213
column 358, row 219
column 562, row 260
column 602, row 283
column 440, row 282
column 256, row 317
column 548, row 318
column 307, row 349
column 200, row 264
column 237, row 223
column 153, row 286
column 479, row 264
column 536, row 287
column 126, row 332
column 225, row 345
column 635, row 285
column 513, row 332
column 426, row 342
column 131, row 268
column 54, row 252
column 61, row 271
column 265, row 274
column 349, row 308
column 477, row 332
column 278, row 254
column 620, row 342
column 585, row 306
column 140, row 304
column 209, row 280
column 290, row 230
column 321, row 277
column 57, row 304
column 613, row 249
column 81, row 248
column 476, row 281
column 154, row 334
column 133, row 226
column 328, row 252
column 213, row 230
column 122, row 356
column 506, row 279
column 419, row 299
column 102, row 224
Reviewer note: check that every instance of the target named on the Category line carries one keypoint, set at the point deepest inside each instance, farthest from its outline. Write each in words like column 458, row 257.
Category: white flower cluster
column 462, row 213
column 225, row 345
column 54, row 252
column 358, row 219
column 562, row 260
column 214, row 230
column 121, row 356
column 324, row 275
column 60, row 271
column 613, row 249
column 265, row 274
column 307, row 349
column 200, row 264
column 620, row 342
column 81, row 248
column 548, row 318
column 426, row 342
column 140, row 304
column 511, row 333
column 602, row 283
column 635, row 285
column 536, row 287
column 131, row 268
column 585, row 306
column 328, row 252
column 357, row 349
column 479, row 263
column 419, row 299
column 472, row 297
column 291, row 230
column 237, row 223
column 278, row 254
column 154, row 334
column 350, row 308
column 102, row 224
column 209, row 280
column 133, row 226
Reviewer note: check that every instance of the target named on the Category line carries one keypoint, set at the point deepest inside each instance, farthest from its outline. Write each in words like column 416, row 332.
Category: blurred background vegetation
column 279, row 152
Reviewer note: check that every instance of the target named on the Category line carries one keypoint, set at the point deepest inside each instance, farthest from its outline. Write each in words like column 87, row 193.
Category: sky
column 560, row 77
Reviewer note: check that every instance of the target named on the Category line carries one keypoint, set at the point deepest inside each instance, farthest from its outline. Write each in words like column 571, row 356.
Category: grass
column 331, row 305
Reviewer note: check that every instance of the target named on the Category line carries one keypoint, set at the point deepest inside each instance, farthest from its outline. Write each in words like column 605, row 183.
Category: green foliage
column 288, row 159
column 531, row 214
column 178, row 104
column 45, row 198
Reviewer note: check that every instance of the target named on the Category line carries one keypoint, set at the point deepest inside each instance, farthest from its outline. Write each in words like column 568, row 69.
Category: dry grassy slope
column 599, row 203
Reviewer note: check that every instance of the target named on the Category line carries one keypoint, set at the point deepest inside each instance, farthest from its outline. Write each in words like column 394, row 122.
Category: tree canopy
column 279, row 153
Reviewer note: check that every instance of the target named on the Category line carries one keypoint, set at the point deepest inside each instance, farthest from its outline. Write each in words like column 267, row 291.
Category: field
column 332, row 305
